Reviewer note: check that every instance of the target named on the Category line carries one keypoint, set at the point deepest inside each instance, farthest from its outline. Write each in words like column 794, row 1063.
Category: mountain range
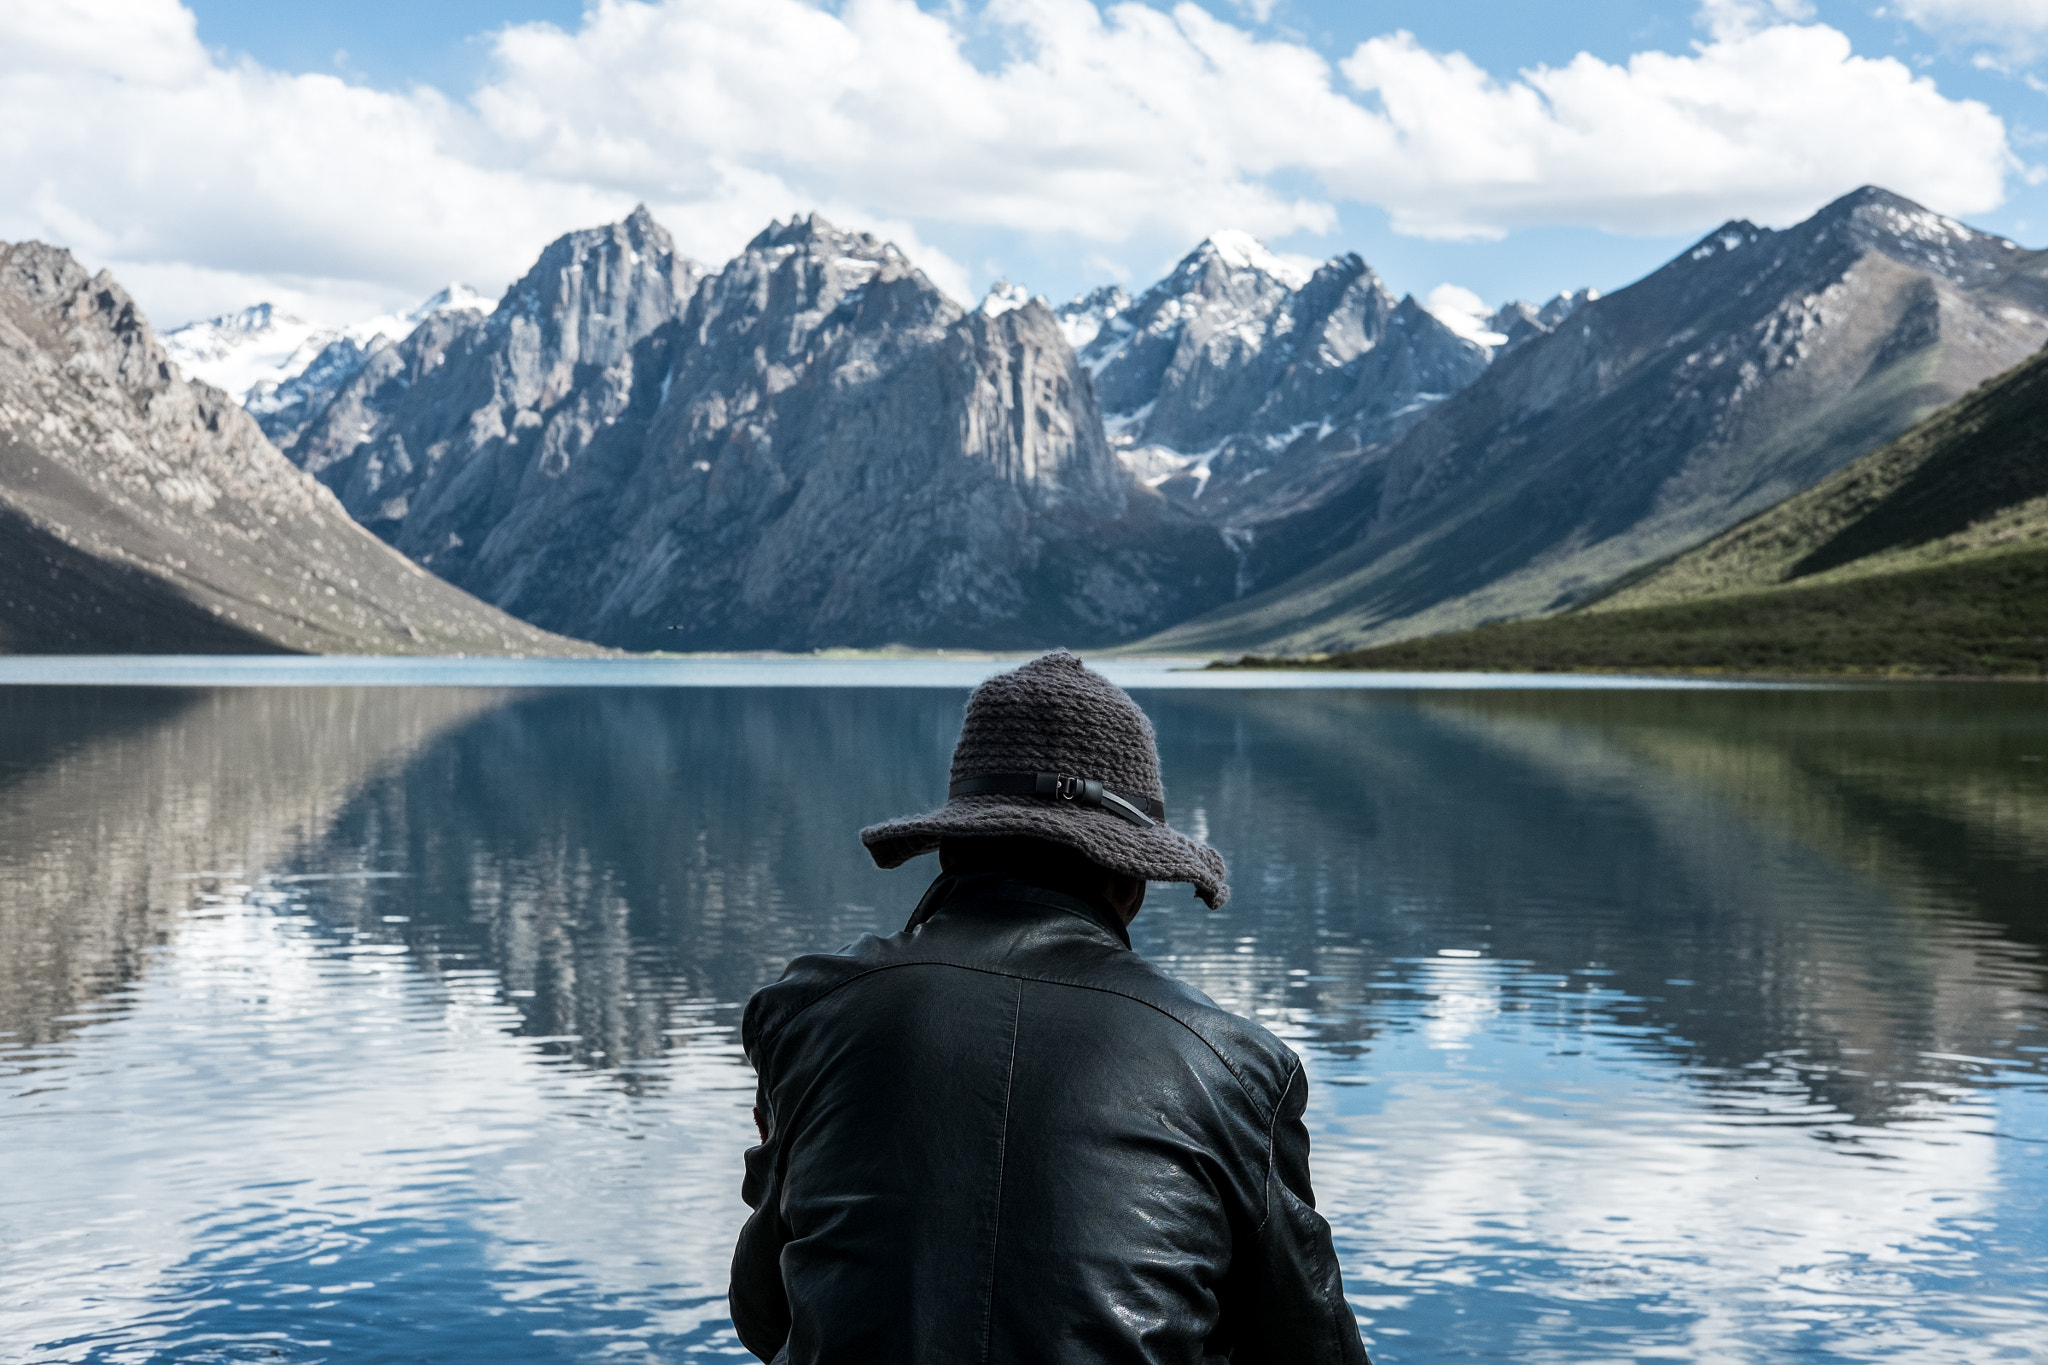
column 813, row 445
column 1750, row 367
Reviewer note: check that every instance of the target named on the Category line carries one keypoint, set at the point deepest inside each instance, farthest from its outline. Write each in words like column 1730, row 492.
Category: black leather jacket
column 1002, row 1136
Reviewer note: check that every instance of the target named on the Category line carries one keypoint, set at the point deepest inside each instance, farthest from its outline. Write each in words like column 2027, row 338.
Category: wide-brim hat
column 1054, row 750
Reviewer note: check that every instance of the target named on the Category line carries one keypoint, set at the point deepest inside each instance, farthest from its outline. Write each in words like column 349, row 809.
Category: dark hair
column 1042, row 862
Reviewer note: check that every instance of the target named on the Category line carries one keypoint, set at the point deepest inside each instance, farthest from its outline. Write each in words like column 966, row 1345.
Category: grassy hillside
column 1983, row 617
column 1970, row 481
column 1927, row 556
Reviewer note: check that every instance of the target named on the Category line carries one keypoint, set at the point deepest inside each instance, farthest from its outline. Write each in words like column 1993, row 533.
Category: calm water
column 399, row 1024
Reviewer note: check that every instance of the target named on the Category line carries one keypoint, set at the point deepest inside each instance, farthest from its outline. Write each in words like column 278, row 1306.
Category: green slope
column 1971, row 480
column 1928, row 556
column 1984, row 617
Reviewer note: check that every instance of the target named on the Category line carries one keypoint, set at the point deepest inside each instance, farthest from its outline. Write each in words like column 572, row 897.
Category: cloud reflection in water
column 1694, row 1026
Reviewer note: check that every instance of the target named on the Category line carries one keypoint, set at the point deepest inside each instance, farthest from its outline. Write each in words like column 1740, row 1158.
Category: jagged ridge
column 813, row 446
column 1748, row 368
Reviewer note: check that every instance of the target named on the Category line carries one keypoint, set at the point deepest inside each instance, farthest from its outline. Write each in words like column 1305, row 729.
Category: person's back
column 1002, row 1136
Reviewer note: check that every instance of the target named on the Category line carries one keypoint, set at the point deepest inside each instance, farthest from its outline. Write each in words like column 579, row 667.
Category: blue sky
column 365, row 150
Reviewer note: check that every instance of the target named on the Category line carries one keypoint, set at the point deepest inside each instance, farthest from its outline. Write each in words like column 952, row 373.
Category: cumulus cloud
column 1463, row 311
column 2015, row 27
column 1113, row 123
column 123, row 138
column 1763, row 123
column 1105, row 126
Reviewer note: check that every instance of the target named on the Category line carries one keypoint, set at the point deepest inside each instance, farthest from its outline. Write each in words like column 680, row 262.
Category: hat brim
column 1156, row 853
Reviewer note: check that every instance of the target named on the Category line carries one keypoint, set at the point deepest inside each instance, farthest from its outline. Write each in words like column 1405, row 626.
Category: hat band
column 1143, row 811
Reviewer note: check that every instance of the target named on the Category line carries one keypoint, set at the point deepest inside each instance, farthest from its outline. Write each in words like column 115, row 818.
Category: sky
column 345, row 159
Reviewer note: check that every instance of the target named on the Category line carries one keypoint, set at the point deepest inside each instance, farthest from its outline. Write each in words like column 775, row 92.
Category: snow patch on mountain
column 1003, row 297
column 1242, row 251
column 1153, row 465
column 1082, row 319
column 250, row 352
column 235, row 350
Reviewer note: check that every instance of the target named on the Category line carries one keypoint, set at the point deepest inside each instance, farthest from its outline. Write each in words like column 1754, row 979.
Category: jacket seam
column 1272, row 1127
column 995, row 1239
column 1224, row 1061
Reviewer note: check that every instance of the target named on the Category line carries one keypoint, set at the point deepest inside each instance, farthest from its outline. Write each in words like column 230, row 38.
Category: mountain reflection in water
column 360, row 1023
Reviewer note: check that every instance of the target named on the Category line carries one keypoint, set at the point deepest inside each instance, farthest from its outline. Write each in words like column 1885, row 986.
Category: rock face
column 284, row 408
column 815, row 446
column 435, row 440
column 1238, row 364
column 140, row 512
column 1516, row 322
column 1752, row 366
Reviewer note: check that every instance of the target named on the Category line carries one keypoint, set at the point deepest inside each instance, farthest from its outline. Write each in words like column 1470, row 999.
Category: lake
column 398, row 1022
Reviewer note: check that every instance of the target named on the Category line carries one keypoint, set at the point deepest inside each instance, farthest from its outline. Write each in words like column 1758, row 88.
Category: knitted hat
column 1056, row 751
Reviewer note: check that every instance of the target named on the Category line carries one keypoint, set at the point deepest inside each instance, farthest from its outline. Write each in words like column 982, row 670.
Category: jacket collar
column 952, row 891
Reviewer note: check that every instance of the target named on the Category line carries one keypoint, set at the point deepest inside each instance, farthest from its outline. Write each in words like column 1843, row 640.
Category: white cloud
column 1114, row 123
column 1112, row 127
column 2016, row 27
column 122, row 138
column 1111, row 124
column 1455, row 300
column 1464, row 312
column 1766, row 124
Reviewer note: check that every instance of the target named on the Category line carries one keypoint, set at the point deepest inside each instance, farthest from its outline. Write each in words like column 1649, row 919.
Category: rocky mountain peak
column 1564, row 305
column 1224, row 292
column 1229, row 271
column 1233, row 251
column 1872, row 219
column 89, row 318
column 1731, row 236
column 1239, row 362
column 597, row 291
column 257, row 317
column 640, row 223
column 472, row 400
column 820, row 446
column 454, row 294
column 1752, row 365
column 799, row 286
column 1518, row 321
column 851, row 257
column 1917, row 236
column 815, row 233
column 284, row 369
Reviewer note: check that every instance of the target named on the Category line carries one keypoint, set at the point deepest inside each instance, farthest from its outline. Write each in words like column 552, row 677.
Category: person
column 1003, row 1136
